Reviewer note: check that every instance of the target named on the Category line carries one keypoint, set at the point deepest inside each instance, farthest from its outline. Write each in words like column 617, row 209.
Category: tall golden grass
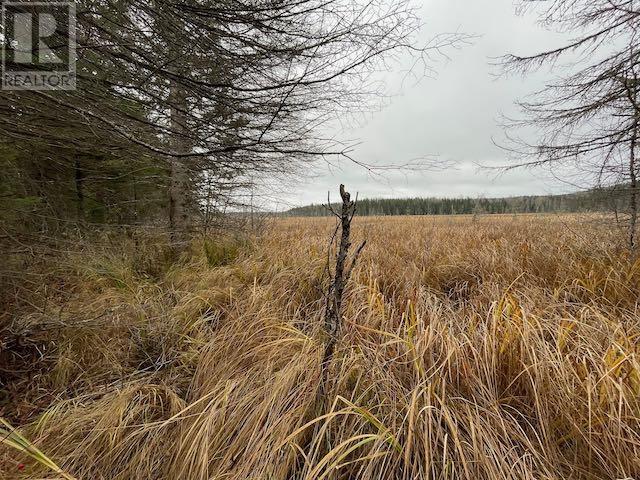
column 486, row 348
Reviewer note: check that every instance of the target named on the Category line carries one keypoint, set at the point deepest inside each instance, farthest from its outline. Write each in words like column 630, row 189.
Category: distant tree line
column 588, row 201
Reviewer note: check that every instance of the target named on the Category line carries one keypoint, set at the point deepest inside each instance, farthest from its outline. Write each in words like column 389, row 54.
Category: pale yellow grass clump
column 487, row 348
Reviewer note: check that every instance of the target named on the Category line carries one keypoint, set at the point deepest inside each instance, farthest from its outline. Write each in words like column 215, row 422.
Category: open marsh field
column 489, row 347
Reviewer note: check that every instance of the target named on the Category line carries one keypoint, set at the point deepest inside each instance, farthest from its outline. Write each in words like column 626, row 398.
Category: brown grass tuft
column 501, row 348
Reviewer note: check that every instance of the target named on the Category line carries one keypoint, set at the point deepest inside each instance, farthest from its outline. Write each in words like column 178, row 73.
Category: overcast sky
column 454, row 115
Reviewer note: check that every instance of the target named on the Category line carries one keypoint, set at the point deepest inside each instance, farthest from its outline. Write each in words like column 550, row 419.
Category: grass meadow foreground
column 472, row 348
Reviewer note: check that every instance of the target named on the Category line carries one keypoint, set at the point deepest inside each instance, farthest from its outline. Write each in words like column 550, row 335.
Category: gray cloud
column 454, row 115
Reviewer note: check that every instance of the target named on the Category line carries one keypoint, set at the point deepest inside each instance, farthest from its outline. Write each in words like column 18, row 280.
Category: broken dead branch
column 343, row 270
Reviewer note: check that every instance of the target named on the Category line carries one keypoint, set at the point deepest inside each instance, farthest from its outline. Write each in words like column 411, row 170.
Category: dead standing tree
column 344, row 267
column 587, row 118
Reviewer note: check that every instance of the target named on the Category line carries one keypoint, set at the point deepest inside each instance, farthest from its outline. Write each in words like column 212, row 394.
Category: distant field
column 473, row 347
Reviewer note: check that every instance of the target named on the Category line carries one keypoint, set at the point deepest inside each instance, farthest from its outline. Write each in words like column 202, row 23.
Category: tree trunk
column 179, row 175
column 79, row 182
column 177, row 197
column 633, row 195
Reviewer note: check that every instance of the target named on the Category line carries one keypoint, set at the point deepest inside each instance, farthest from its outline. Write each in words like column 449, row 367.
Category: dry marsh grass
column 488, row 348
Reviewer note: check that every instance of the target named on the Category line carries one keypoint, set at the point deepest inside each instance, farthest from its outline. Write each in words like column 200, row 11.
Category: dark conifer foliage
column 193, row 100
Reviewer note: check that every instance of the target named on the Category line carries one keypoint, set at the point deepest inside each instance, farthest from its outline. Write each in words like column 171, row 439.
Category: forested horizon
column 593, row 200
